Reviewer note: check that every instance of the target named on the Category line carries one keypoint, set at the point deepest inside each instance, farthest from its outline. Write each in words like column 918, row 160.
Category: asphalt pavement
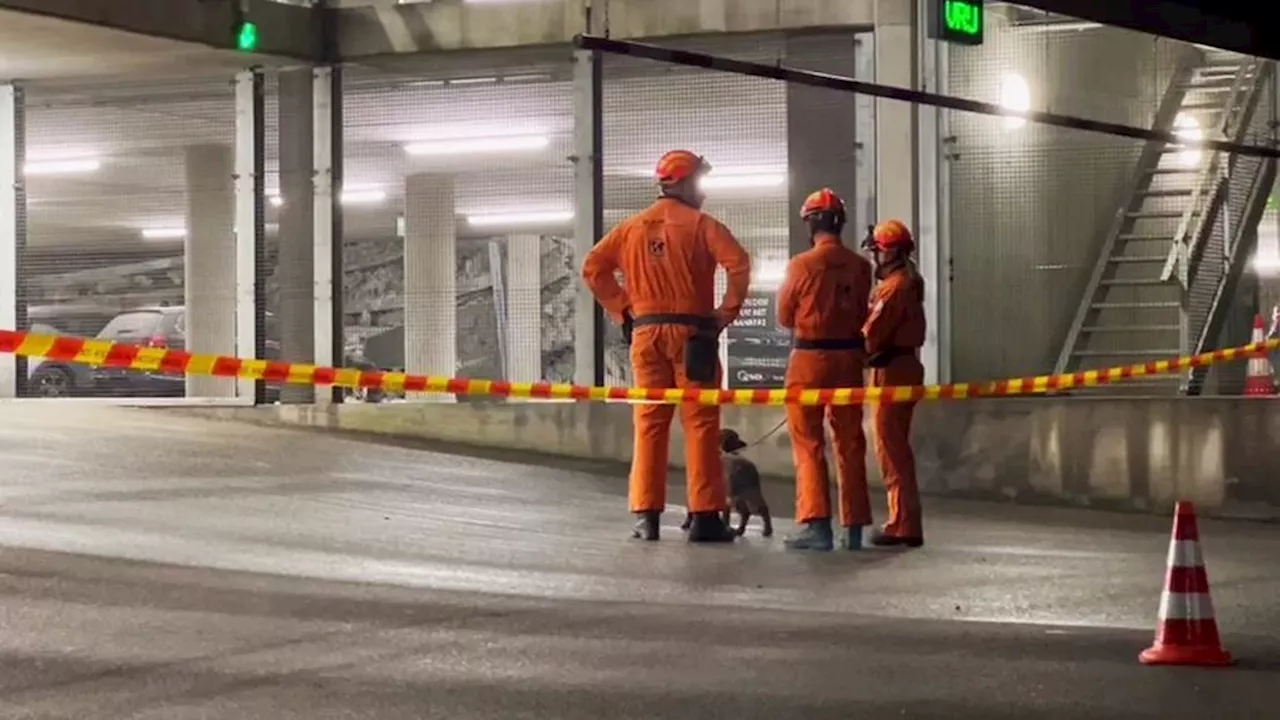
column 159, row 566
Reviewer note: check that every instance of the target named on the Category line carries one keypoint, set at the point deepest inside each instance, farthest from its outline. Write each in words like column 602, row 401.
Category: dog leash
column 767, row 435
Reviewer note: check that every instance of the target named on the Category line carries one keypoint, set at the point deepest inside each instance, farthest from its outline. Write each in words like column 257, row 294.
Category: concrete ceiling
column 37, row 47
column 140, row 131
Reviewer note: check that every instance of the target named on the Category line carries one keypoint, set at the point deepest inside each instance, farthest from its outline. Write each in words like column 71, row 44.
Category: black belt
column 695, row 321
column 829, row 344
column 883, row 358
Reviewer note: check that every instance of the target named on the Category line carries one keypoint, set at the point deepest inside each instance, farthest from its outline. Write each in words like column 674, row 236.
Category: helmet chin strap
column 883, row 269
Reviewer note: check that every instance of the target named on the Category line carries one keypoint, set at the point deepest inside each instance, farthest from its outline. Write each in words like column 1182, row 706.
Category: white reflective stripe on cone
column 1185, row 554
column 1186, row 606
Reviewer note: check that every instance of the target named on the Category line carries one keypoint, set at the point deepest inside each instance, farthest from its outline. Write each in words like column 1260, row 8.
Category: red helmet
column 679, row 165
column 892, row 234
column 824, row 200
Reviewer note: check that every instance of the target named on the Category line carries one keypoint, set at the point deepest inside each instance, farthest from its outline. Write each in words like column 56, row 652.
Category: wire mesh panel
column 1062, row 236
column 458, row 212
column 764, row 139
column 131, row 213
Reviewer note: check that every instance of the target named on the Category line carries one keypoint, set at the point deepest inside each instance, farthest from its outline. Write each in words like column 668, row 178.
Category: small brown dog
column 745, row 494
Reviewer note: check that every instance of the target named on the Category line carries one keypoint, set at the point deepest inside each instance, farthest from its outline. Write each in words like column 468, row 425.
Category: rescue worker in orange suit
column 668, row 256
column 894, row 333
column 823, row 301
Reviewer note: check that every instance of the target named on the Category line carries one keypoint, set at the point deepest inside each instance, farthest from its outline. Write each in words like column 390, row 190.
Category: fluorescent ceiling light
column 520, row 218
column 164, row 233
column 62, row 167
column 363, row 196
column 1266, row 265
column 458, row 146
column 734, row 182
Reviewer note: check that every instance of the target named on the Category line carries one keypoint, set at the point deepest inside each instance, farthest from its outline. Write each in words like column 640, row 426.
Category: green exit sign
column 246, row 36
column 956, row 21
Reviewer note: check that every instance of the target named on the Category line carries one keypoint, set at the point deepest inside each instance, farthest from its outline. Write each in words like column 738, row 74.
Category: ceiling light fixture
column 520, row 218
column 164, row 233
column 62, row 167
column 458, row 146
column 739, row 182
column 363, row 196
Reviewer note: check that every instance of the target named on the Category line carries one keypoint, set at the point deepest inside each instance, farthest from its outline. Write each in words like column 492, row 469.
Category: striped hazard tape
column 176, row 362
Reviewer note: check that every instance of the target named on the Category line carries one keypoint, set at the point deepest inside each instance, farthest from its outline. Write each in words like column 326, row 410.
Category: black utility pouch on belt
column 881, row 360
column 701, row 355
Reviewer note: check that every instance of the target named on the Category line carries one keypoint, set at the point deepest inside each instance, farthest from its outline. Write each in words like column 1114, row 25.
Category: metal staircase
column 1151, row 295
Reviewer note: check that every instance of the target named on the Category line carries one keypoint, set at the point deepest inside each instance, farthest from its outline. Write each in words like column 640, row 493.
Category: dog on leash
column 745, row 495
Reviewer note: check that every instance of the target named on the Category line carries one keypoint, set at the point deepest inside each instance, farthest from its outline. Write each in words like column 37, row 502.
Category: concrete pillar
column 907, row 162
column 822, row 138
column 524, row 308
column 430, row 278
column 296, row 249
column 210, row 266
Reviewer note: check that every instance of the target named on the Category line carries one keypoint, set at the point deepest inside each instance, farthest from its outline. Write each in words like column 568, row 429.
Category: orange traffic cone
column 1258, row 382
column 1188, row 632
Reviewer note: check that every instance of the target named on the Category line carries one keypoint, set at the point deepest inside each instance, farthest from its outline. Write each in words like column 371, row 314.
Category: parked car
column 157, row 327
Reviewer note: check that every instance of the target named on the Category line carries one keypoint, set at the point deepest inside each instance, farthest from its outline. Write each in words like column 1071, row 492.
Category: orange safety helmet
column 824, row 200
column 892, row 234
column 679, row 165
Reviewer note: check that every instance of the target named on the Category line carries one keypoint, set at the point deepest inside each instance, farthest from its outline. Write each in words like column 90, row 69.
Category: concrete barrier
column 1125, row 454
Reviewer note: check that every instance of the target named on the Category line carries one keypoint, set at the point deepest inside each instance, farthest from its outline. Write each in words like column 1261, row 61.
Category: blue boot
column 852, row 538
column 816, row 535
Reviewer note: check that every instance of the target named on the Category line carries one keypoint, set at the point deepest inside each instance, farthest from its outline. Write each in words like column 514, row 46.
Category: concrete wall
column 1138, row 455
column 1030, row 205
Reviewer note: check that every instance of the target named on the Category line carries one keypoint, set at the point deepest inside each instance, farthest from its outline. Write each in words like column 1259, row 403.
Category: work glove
column 628, row 326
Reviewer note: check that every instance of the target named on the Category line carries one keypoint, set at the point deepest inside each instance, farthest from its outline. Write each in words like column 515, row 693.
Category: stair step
column 1135, row 305
column 1155, row 214
column 1173, row 171
column 1216, row 83
column 1161, row 353
column 1131, row 282
column 1139, row 237
column 1099, row 329
column 1169, row 192
column 1139, row 258
column 1202, row 106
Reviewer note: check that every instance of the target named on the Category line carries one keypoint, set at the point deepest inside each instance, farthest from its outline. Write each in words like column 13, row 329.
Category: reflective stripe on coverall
column 668, row 256
column 897, row 323
column 824, row 298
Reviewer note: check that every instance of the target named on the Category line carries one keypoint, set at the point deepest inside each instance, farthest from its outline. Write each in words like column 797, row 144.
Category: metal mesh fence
column 1061, row 237
column 458, row 204
column 765, row 140
column 130, row 209
column 458, row 212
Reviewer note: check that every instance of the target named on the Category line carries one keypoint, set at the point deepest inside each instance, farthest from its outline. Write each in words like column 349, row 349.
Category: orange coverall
column 668, row 256
column 824, row 302
column 897, row 322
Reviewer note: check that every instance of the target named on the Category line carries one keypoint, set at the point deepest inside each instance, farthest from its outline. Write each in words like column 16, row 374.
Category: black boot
column 881, row 539
column 709, row 527
column 647, row 525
